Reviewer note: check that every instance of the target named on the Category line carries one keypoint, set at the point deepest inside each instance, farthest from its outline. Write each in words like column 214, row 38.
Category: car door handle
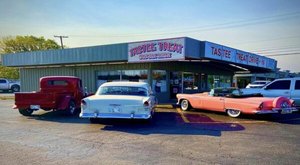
column 286, row 92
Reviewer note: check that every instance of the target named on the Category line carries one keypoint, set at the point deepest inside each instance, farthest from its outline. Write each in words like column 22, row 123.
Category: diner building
column 170, row 66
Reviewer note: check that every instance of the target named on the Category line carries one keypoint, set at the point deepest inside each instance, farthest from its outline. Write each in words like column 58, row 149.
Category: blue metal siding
column 115, row 52
column 192, row 49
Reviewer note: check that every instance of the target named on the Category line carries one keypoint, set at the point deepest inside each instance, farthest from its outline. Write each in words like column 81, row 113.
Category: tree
column 26, row 44
column 9, row 72
column 22, row 44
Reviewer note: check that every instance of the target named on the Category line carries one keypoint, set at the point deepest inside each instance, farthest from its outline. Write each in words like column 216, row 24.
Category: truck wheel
column 71, row 109
column 26, row 112
column 15, row 88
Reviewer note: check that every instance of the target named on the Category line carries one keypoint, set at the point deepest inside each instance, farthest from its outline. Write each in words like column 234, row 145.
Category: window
column 159, row 82
column 215, row 81
column 58, row 82
column 108, row 76
column 123, row 90
column 125, row 75
column 2, row 81
column 135, row 75
column 190, row 81
column 280, row 85
column 297, row 85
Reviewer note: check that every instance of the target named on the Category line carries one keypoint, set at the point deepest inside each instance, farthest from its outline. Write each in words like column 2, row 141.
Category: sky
column 266, row 27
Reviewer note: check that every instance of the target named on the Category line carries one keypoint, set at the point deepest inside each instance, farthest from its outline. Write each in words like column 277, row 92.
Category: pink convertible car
column 235, row 104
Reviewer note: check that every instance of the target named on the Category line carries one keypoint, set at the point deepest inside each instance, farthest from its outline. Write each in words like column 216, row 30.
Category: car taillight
column 261, row 106
column 83, row 102
column 146, row 103
column 293, row 104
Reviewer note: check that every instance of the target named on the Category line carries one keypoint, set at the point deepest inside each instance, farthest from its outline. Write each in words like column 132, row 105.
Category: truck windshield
column 122, row 90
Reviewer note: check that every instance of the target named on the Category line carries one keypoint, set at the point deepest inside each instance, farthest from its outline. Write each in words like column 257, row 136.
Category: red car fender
column 64, row 103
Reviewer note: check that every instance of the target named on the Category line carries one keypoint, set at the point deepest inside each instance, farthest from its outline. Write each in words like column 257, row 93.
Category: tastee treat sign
column 223, row 53
column 157, row 50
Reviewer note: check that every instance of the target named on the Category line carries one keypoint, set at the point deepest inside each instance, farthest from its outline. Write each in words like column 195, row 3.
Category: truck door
column 278, row 88
column 295, row 94
column 3, row 84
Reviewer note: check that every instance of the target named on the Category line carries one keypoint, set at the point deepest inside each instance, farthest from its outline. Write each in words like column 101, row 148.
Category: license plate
column 35, row 107
column 285, row 111
column 116, row 109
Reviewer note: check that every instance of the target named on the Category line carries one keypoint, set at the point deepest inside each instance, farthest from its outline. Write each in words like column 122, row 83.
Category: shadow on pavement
column 170, row 123
column 57, row 116
column 293, row 119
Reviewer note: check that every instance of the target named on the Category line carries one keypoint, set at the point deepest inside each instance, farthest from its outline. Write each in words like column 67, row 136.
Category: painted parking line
column 182, row 116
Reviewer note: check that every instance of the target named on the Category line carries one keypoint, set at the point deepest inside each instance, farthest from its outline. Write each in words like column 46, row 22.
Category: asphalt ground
column 173, row 137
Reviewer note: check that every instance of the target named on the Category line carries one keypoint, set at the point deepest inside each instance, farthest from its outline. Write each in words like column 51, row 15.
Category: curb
column 170, row 106
column 7, row 97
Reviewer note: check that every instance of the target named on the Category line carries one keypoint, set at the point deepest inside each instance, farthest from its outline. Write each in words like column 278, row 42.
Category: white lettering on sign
column 159, row 50
column 223, row 53
column 219, row 52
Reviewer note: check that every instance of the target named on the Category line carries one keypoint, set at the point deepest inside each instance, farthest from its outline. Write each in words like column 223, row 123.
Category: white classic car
column 124, row 100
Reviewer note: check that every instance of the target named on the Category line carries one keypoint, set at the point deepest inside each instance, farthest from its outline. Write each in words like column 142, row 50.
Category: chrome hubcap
column 233, row 112
column 184, row 104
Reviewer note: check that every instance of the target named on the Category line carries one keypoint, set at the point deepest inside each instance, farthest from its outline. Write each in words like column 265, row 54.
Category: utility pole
column 61, row 41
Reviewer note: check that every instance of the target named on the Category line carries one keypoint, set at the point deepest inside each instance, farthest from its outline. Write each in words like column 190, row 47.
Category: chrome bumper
column 115, row 115
column 277, row 110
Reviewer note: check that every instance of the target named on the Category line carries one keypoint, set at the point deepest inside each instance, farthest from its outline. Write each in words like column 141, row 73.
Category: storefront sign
column 159, row 50
column 223, row 53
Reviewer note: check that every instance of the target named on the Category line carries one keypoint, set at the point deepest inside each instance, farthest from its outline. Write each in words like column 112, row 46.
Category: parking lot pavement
column 174, row 137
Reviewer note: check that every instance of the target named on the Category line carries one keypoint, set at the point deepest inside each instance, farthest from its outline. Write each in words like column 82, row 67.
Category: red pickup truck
column 56, row 93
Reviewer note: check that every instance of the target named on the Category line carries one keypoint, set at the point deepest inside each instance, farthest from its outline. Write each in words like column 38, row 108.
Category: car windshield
column 122, row 90
column 222, row 91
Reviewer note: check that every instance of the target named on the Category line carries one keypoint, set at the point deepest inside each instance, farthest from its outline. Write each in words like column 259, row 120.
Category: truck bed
column 27, row 99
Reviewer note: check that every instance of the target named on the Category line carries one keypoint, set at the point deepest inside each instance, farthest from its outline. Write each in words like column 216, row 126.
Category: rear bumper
column 277, row 110
column 115, row 115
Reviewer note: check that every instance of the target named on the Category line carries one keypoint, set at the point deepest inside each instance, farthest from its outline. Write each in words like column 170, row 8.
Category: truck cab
column 6, row 85
column 56, row 93
column 286, row 87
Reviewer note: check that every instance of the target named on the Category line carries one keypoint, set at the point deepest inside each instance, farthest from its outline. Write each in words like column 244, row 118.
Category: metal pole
column 61, row 41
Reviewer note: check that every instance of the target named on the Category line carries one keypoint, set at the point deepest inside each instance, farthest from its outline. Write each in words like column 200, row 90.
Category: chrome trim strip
column 275, row 110
column 115, row 115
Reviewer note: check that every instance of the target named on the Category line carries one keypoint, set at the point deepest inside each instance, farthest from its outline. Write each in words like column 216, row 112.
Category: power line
column 267, row 40
column 284, row 54
column 61, row 41
column 277, row 48
column 278, row 51
column 232, row 24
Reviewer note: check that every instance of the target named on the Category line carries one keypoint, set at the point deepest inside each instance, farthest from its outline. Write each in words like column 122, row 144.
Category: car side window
column 280, row 85
column 297, row 85
column 2, row 81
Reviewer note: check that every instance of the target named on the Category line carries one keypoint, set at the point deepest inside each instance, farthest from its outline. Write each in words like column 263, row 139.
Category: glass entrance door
column 175, row 84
